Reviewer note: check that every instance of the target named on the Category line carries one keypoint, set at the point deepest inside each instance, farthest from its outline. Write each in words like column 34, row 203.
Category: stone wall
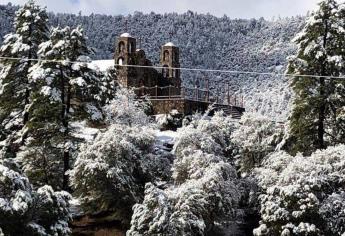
column 183, row 106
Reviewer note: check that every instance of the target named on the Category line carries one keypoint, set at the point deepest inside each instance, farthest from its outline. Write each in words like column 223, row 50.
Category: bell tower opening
column 125, row 55
column 170, row 59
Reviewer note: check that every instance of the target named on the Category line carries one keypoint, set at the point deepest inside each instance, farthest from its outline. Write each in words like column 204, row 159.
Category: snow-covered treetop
column 125, row 109
column 302, row 195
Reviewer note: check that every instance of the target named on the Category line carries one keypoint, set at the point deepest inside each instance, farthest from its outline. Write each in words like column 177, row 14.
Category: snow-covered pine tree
column 317, row 103
column 25, row 211
column 30, row 31
column 65, row 93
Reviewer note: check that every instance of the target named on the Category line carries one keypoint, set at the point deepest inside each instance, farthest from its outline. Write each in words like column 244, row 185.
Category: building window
column 121, row 47
column 120, row 61
column 165, row 71
column 166, row 55
column 131, row 47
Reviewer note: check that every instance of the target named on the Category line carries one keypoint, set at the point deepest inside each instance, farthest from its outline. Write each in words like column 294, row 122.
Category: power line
column 186, row 69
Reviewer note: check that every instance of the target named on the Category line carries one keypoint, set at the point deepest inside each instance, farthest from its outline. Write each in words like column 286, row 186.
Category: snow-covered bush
column 110, row 174
column 170, row 121
column 302, row 195
column 25, row 211
column 211, row 135
column 208, row 194
column 125, row 109
column 205, row 189
column 256, row 137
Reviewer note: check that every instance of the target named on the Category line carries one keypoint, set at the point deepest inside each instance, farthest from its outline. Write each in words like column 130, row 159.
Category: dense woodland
column 72, row 141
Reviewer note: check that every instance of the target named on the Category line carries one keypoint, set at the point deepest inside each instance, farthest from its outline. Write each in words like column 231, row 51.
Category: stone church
column 162, row 84
column 143, row 75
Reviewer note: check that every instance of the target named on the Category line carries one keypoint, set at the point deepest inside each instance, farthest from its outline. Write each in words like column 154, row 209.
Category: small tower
column 125, row 55
column 170, row 58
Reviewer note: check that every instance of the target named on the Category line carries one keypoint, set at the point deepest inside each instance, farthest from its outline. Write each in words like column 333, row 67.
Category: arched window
column 120, row 61
column 121, row 46
column 165, row 71
column 131, row 47
column 166, row 55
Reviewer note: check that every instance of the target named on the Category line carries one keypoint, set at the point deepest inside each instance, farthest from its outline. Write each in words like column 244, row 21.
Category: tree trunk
column 64, row 119
column 321, row 128
column 27, row 89
column 322, row 94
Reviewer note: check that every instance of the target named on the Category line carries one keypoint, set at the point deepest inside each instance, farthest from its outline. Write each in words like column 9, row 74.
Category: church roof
column 126, row 35
column 170, row 44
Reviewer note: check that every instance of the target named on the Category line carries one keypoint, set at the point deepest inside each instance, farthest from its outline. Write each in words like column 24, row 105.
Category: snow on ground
column 102, row 65
column 81, row 130
column 165, row 137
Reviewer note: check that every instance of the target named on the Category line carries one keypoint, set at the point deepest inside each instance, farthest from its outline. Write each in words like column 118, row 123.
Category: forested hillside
column 205, row 41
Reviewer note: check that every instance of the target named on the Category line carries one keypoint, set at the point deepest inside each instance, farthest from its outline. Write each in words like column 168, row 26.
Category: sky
column 231, row 8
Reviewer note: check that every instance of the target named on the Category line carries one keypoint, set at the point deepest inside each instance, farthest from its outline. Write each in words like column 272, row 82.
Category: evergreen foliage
column 63, row 93
column 318, row 102
column 25, row 211
column 256, row 137
column 30, row 30
column 302, row 195
column 110, row 174
column 205, row 192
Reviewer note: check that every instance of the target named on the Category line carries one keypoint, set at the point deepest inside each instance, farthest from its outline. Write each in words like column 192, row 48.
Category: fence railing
column 194, row 94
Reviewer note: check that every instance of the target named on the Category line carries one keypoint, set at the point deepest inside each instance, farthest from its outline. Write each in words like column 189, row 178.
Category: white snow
column 165, row 137
column 170, row 44
column 102, row 65
column 81, row 130
column 125, row 35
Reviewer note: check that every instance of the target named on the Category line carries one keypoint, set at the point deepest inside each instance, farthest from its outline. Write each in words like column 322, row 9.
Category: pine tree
column 317, row 103
column 65, row 93
column 30, row 31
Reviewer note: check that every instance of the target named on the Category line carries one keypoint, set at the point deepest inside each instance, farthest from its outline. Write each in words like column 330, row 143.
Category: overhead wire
column 187, row 69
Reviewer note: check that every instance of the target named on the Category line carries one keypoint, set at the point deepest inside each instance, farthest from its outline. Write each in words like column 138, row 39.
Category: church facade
column 135, row 70
column 161, row 84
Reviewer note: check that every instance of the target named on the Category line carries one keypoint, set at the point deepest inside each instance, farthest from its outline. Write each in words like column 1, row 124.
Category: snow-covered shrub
column 208, row 194
column 170, row 121
column 110, row 174
column 256, row 137
column 125, row 109
column 211, row 135
column 302, row 195
column 205, row 189
column 25, row 211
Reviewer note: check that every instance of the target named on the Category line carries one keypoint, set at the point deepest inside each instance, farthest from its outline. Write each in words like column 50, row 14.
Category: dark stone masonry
column 162, row 85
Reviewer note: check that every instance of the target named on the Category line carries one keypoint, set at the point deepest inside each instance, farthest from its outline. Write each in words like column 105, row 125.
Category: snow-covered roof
column 126, row 35
column 102, row 65
column 170, row 44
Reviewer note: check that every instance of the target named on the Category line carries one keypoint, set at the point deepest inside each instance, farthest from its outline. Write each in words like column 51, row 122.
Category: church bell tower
column 170, row 61
column 125, row 55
